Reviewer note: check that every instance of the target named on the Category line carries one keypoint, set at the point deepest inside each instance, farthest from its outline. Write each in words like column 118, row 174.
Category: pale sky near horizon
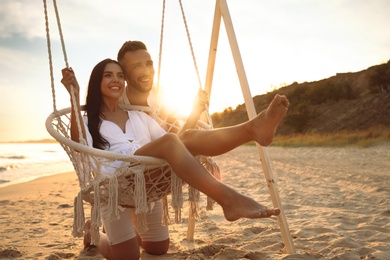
column 280, row 42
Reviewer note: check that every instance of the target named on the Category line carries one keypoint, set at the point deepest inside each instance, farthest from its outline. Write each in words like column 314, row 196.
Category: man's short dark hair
column 130, row 46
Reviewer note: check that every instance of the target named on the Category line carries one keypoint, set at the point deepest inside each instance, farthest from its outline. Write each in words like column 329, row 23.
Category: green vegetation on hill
column 333, row 111
column 362, row 138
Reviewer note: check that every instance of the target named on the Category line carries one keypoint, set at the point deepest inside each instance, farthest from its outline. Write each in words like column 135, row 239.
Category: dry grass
column 366, row 138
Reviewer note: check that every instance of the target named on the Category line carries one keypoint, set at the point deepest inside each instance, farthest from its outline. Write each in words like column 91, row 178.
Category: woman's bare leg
column 184, row 164
column 218, row 141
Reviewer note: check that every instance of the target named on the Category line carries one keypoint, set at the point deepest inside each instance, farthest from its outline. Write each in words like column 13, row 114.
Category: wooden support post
column 221, row 9
column 207, row 88
column 213, row 49
column 190, row 226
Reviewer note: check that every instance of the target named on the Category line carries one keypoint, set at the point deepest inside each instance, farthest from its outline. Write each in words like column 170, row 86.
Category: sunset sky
column 280, row 42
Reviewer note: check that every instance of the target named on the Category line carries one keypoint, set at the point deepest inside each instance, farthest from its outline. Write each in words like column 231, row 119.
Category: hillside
column 344, row 102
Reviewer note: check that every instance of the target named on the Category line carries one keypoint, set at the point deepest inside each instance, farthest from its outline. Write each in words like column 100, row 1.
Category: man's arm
column 200, row 104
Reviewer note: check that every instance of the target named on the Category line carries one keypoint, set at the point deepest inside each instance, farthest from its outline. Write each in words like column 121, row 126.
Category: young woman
column 134, row 132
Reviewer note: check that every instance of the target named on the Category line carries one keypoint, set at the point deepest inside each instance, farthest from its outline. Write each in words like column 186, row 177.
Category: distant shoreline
column 359, row 138
column 43, row 141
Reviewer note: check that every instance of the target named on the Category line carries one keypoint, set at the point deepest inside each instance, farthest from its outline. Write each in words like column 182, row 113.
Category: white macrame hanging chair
column 134, row 181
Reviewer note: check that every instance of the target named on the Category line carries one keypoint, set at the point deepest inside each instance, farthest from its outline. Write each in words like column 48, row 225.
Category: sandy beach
column 336, row 201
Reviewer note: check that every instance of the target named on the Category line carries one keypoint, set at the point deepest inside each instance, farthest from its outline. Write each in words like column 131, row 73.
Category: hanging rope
column 190, row 43
column 208, row 116
column 157, row 108
column 61, row 35
column 50, row 57
column 73, row 97
column 161, row 44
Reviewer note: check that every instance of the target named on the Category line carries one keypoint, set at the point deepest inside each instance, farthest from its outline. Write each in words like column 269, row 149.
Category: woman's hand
column 69, row 79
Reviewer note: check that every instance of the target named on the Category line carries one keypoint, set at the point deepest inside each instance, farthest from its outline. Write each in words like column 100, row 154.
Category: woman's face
column 113, row 81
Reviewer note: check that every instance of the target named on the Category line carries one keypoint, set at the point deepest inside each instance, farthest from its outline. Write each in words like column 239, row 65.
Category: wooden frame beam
column 222, row 11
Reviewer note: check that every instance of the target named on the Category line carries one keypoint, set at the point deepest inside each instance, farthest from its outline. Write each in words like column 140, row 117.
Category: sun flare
column 176, row 100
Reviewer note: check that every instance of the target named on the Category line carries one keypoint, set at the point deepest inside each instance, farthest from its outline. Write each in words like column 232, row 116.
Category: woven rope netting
column 117, row 179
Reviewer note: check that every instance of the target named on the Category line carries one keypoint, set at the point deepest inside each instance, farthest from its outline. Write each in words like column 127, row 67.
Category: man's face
column 139, row 71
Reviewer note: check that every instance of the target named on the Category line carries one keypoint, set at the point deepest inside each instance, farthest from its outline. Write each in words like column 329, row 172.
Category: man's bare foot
column 87, row 234
column 245, row 207
column 267, row 121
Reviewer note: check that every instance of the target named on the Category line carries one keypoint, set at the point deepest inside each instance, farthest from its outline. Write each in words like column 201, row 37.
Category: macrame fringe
column 113, row 197
column 95, row 234
column 177, row 196
column 141, row 205
column 210, row 203
column 193, row 197
column 140, row 198
column 95, row 216
column 166, row 220
column 112, row 193
column 79, row 217
column 214, row 170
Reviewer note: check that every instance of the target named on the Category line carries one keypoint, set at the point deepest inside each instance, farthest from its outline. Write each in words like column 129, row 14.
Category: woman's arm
column 69, row 80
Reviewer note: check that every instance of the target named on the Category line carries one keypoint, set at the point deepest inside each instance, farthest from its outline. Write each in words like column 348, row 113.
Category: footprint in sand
column 60, row 255
column 6, row 253
column 253, row 230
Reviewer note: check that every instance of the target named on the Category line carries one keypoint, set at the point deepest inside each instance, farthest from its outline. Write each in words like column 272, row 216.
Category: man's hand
column 201, row 102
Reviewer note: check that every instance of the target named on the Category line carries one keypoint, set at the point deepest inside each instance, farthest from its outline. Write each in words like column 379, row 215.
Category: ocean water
column 21, row 162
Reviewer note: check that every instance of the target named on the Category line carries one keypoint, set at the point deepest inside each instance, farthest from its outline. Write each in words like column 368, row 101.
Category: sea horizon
column 35, row 141
column 22, row 162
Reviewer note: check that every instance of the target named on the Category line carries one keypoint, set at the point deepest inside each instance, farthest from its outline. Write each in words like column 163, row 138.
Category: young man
column 139, row 74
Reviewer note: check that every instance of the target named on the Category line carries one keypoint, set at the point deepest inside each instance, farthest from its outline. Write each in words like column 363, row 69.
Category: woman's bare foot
column 87, row 234
column 267, row 121
column 245, row 207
